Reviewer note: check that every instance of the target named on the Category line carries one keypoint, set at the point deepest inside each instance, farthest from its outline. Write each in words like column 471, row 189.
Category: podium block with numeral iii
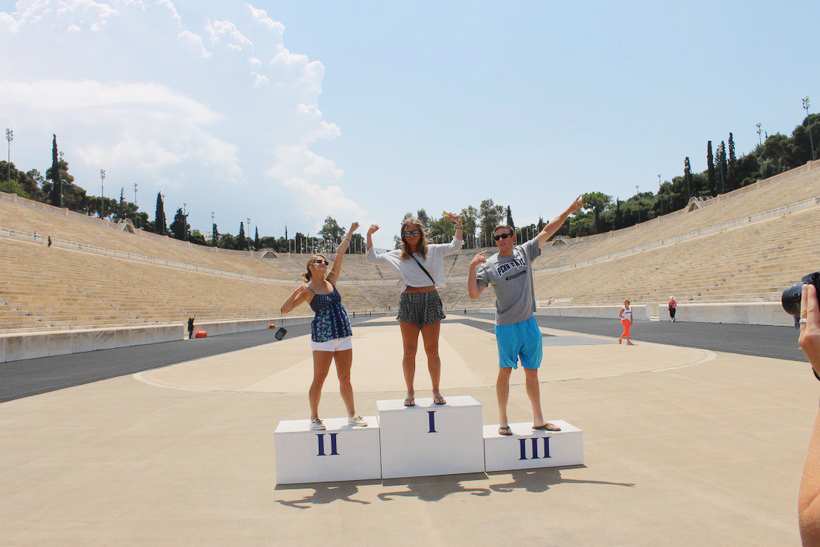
column 527, row 448
column 341, row 453
column 430, row 439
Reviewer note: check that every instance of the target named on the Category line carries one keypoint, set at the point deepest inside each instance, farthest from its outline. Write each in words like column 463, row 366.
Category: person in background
column 191, row 327
column 626, row 322
column 673, row 306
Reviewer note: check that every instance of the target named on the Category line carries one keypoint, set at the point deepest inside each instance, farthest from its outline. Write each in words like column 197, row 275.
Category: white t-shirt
column 627, row 313
column 409, row 272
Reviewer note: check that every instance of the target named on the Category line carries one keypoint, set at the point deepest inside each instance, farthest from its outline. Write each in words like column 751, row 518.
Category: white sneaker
column 356, row 421
column 317, row 425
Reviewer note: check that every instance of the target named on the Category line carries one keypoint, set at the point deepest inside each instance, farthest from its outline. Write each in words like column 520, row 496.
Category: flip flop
column 439, row 400
column 504, row 430
column 410, row 401
column 547, row 427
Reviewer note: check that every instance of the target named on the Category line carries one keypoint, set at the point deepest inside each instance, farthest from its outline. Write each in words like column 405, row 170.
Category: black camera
column 791, row 296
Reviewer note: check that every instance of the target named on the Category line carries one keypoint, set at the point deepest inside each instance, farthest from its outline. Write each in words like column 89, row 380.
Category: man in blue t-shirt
column 516, row 330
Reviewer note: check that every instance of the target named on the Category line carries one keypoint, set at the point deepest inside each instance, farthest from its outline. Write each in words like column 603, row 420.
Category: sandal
column 410, row 401
column 439, row 400
column 504, row 430
column 547, row 427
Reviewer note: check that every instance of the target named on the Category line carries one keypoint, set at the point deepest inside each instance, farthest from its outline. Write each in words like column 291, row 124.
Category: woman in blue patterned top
column 331, row 337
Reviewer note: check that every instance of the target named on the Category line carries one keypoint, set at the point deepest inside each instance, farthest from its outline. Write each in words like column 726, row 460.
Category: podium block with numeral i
column 340, row 453
column 527, row 448
column 430, row 439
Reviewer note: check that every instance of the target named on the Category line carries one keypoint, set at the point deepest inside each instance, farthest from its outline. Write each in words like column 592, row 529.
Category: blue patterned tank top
column 331, row 321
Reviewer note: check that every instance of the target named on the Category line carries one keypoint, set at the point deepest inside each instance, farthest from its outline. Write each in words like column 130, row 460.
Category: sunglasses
column 499, row 237
column 320, row 261
column 408, row 233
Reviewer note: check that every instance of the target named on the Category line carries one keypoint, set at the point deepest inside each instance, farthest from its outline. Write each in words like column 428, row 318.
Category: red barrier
column 201, row 334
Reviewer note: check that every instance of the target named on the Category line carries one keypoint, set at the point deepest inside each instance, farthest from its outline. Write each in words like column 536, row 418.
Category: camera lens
column 791, row 299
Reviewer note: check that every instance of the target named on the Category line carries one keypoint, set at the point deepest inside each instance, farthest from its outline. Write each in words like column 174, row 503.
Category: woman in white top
column 420, row 265
column 626, row 321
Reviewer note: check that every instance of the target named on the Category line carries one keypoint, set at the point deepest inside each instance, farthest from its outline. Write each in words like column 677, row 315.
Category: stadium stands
column 744, row 246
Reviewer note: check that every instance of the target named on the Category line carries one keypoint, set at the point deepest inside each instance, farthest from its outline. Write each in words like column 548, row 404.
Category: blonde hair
column 421, row 246
column 307, row 275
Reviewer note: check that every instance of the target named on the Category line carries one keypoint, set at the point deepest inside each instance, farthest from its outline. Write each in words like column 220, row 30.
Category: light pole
column 60, row 174
column 759, row 131
column 102, row 193
column 184, row 222
column 660, row 200
column 638, row 202
column 806, row 105
column 9, row 137
column 135, row 195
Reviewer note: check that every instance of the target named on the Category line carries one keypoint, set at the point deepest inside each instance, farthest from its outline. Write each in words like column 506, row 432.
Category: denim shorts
column 421, row 308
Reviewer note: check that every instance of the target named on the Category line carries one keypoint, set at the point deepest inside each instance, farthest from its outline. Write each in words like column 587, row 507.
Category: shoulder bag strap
column 423, row 268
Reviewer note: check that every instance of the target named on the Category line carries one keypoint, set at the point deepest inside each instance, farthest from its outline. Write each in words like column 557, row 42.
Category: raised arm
column 340, row 254
column 550, row 229
column 296, row 298
column 473, row 288
column 808, row 503
column 370, row 231
column 457, row 219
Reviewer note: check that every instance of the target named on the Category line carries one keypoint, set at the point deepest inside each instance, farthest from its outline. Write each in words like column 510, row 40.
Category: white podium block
column 528, row 448
column 429, row 439
column 340, row 453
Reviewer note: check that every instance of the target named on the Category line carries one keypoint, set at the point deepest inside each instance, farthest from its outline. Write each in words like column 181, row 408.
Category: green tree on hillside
column 710, row 167
column 510, row 221
column 179, row 227
column 159, row 216
column 55, row 195
column 490, row 215
column 331, row 232
column 241, row 241
column 731, row 165
column 469, row 217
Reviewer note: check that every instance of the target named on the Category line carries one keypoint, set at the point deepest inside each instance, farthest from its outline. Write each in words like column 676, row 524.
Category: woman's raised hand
column 373, row 229
column 452, row 217
column 353, row 227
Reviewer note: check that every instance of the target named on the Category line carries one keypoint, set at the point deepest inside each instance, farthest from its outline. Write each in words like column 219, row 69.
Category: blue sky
column 287, row 112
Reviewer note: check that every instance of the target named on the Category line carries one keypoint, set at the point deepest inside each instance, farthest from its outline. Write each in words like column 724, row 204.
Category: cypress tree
column 159, row 218
column 730, row 178
column 510, row 222
column 710, row 162
column 687, row 175
column 722, row 165
column 256, row 240
column 214, row 235
column 56, row 177
column 241, row 242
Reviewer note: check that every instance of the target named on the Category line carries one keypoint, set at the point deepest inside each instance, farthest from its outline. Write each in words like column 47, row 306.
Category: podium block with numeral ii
column 430, row 439
column 527, row 448
column 341, row 453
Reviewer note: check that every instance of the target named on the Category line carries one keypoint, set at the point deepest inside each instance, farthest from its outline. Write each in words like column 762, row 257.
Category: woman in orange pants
column 626, row 321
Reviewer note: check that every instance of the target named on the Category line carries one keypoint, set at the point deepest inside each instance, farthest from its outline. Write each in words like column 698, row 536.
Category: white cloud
column 194, row 41
column 200, row 99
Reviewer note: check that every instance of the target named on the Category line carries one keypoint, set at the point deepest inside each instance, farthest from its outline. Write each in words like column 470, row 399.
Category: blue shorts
column 519, row 340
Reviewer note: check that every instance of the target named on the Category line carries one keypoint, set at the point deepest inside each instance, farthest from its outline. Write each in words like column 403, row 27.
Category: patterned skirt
column 420, row 308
